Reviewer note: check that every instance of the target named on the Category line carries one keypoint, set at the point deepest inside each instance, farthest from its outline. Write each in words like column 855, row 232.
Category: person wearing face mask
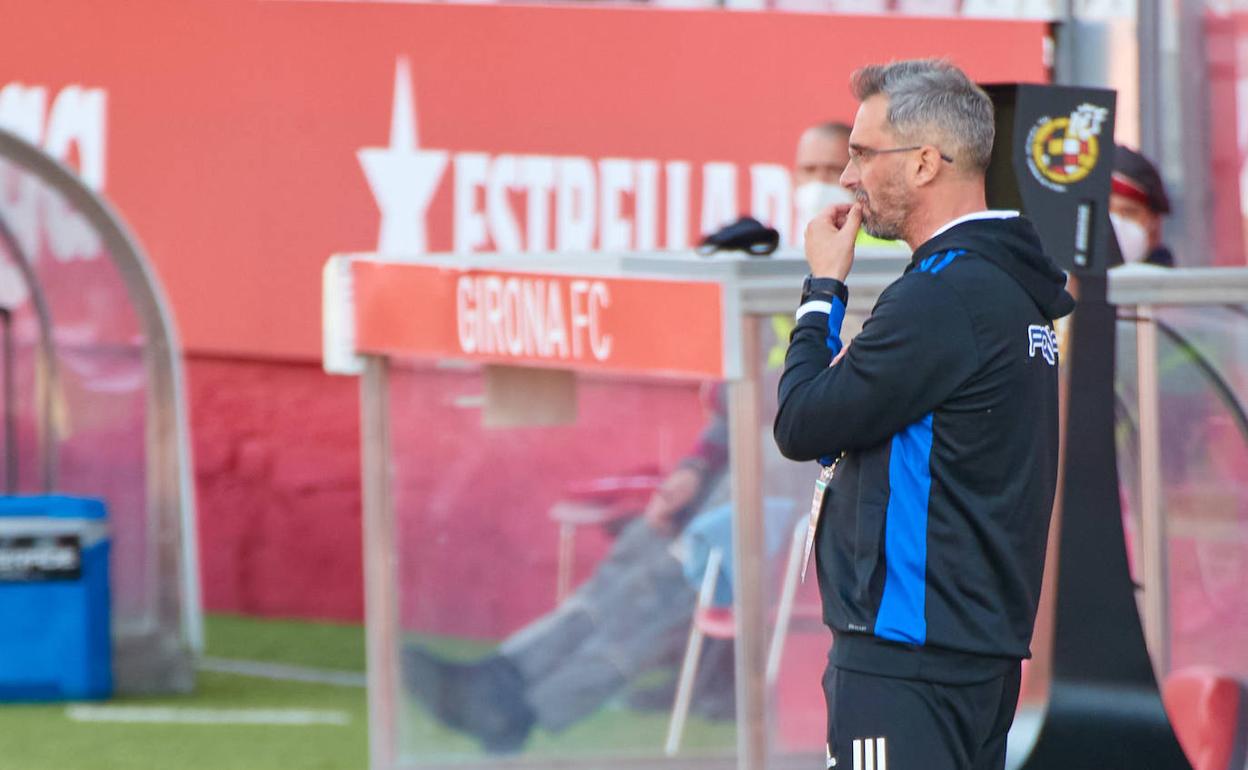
column 1137, row 203
column 822, row 155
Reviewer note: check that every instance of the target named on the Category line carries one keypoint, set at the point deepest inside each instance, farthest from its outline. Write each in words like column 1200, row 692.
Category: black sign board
column 40, row 558
column 1052, row 160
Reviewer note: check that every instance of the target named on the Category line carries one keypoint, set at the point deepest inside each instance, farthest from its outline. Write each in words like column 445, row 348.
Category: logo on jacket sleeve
column 1042, row 339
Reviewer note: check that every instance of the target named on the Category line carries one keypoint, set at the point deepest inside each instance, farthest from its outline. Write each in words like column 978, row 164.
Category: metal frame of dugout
column 94, row 403
column 370, row 319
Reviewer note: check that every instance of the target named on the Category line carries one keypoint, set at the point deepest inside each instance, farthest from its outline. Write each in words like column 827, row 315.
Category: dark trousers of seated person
column 631, row 615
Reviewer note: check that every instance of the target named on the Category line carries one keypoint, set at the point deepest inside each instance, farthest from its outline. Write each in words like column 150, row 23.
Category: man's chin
column 884, row 234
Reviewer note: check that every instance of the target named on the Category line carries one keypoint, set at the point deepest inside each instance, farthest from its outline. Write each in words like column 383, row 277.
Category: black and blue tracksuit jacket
column 944, row 412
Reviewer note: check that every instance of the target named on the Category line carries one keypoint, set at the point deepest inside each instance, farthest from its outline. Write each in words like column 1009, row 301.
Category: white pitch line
column 207, row 716
column 282, row 672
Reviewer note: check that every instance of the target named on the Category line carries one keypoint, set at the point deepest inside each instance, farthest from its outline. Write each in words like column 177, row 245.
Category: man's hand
column 830, row 241
column 840, row 355
column 672, row 496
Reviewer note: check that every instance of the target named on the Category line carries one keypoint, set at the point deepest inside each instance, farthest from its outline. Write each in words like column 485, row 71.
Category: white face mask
column 811, row 198
column 1132, row 239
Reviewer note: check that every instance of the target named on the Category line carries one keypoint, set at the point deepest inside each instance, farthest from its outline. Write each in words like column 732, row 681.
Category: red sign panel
column 245, row 141
column 566, row 321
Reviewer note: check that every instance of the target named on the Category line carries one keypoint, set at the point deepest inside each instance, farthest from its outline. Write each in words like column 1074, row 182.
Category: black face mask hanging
column 746, row 234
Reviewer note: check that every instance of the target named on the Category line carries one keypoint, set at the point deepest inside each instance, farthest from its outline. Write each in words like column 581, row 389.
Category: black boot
column 484, row 699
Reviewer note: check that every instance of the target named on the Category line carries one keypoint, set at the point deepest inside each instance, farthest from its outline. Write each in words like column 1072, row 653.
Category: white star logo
column 403, row 177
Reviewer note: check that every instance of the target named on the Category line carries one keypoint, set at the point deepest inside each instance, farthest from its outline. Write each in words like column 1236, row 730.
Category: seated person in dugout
column 630, row 617
column 634, row 612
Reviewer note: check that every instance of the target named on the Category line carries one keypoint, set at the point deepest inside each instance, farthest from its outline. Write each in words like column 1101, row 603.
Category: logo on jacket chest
column 1042, row 340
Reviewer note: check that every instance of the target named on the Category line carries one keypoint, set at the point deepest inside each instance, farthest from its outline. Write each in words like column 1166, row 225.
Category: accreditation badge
column 816, row 507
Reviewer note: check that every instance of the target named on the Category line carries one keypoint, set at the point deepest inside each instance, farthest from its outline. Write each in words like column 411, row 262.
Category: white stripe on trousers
column 870, row 754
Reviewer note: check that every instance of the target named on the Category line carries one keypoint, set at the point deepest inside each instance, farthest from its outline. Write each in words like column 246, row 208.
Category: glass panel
column 798, row 641
column 22, row 379
column 540, row 614
column 95, row 395
column 1203, row 378
column 1203, row 356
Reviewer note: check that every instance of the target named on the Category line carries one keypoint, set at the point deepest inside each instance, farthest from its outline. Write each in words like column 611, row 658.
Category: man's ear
column 928, row 166
column 1154, row 229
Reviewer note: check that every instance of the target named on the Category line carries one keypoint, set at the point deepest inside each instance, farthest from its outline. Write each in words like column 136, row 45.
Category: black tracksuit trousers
column 884, row 723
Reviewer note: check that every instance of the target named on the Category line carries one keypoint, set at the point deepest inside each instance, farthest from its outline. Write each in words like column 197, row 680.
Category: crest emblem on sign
column 1064, row 150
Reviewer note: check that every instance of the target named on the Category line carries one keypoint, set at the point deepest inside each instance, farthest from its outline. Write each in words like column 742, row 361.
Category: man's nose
column 849, row 177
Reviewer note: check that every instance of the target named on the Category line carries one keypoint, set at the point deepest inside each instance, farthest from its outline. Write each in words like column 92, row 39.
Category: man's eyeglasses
column 859, row 154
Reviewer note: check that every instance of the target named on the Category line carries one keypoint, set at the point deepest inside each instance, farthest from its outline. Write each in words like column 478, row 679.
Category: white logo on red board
column 403, row 177
column 523, row 316
column 71, row 129
column 538, row 203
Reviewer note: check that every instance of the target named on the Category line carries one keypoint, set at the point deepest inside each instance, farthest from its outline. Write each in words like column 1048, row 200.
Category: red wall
column 277, row 471
column 277, row 474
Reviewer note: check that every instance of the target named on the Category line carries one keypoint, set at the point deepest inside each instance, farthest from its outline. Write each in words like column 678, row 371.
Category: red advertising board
column 247, row 140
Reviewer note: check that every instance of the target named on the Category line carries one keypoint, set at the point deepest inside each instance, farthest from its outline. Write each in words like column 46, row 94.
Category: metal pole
column 745, row 417
column 1065, row 48
column 380, row 590
column 1148, row 55
column 1188, row 169
column 1153, row 540
column 10, row 407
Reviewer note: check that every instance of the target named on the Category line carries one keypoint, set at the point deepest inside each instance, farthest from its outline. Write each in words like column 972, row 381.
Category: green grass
column 42, row 737
column 612, row 731
column 294, row 642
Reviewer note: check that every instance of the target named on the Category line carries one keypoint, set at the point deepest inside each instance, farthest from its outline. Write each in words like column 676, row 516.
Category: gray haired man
column 937, row 431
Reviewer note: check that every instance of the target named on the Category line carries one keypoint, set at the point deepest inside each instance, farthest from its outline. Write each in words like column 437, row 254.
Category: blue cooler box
column 55, row 634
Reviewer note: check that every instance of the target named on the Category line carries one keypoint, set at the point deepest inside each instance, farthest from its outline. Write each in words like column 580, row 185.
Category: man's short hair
column 834, row 129
column 932, row 101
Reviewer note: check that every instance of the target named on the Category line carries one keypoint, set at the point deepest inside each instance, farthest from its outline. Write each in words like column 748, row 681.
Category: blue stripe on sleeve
column 836, row 317
column 902, row 616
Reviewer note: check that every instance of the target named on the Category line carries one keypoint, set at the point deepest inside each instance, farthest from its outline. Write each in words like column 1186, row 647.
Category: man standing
column 937, row 430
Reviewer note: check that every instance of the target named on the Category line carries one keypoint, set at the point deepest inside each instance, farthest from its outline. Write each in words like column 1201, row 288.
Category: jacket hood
column 1013, row 245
